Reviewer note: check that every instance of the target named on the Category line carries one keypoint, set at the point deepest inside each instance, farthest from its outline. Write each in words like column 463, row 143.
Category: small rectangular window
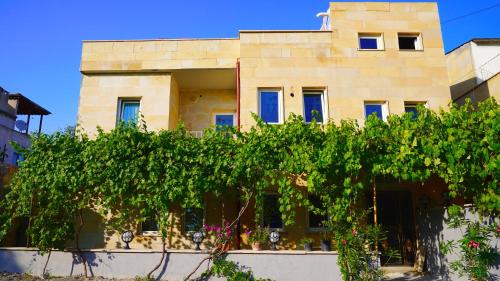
column 410, row 41
column 377, row 108
column 370, row 41
column 271, row 213
column 314, row 106
column 270, row 106
column 150, row 226
column 193, row 219
column 411, row 107
column 129, row 111
column 316, row 221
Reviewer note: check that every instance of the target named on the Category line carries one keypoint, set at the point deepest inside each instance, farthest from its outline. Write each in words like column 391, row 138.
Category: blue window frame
column 269, row 102
column 313, row 106
column 371, row 108
column 129, row 112
column 370, row 41
column 412, row 109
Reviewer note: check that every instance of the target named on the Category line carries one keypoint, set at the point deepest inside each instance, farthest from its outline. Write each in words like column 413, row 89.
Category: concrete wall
column 279, row 266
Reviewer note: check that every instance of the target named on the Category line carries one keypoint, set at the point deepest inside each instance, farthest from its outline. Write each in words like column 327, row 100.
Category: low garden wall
column 277, row 265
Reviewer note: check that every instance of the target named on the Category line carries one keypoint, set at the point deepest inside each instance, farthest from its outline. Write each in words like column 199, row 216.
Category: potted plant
column 307, row 242
column 257, row 238
column 326, row 243
column 223, row 235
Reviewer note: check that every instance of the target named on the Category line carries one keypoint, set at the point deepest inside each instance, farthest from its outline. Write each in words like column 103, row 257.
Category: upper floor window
column 411, row 107
column 410, row 41
column 129, row 111
column 271, row 213
column 271, row 106
column 193, row 219
column 223, row 119
column 371, row 41
column 377, row 108
column 314, row 106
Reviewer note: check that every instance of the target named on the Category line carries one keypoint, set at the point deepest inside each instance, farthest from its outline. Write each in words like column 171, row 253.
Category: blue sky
column 40, row 40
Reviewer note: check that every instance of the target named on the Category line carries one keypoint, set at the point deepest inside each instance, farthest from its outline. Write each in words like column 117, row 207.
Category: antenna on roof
column 326, row 20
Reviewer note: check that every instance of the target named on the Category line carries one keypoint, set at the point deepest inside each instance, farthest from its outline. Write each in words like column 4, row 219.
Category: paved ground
column 410, row 277
column 24, row 277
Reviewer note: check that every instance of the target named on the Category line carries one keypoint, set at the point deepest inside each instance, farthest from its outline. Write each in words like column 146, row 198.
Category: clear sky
column 40, row 40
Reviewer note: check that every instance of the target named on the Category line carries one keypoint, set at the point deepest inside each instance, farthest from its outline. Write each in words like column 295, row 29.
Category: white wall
column 486, row 60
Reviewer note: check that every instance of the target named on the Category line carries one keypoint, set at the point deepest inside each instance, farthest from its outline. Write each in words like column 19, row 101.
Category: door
column 395, row 215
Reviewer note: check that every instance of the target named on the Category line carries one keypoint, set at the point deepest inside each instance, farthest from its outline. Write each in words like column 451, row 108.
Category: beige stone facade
column 190, row 81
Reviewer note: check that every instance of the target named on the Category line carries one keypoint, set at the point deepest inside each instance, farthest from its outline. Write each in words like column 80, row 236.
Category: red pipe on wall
column 238, row 92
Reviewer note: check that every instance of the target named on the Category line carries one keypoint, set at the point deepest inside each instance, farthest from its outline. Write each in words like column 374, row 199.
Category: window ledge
column 371, row 50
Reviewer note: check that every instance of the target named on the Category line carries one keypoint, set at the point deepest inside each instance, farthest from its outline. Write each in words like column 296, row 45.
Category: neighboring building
column 473, row 69
column 13, row 128
column 369, row 57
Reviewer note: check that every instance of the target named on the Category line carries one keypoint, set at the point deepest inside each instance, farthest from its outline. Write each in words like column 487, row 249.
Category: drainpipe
column 238, row 92
column 238, row 203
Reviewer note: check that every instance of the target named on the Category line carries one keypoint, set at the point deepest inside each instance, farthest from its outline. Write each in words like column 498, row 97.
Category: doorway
column 395, row 216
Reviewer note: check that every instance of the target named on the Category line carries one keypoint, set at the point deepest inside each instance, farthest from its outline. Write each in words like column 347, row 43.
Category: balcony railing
column 196, row 134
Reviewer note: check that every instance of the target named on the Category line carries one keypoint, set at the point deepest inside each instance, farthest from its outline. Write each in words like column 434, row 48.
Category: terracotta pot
column 224, row 247
column 256, row 246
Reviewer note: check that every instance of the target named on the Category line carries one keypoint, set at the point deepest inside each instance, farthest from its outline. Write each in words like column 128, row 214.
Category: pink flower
column 344, row 242
column 498, row 228
column 354, row 232
column 473, row 244
column 248, row 232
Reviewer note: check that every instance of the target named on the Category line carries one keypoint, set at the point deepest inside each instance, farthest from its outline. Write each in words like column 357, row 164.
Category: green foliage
column 258, row 235
column 306, row 240
column 232, row 271
column 476, row 253
column 129, row 174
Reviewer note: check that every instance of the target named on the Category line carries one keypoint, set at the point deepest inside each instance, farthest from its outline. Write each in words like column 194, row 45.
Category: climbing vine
column 130, row 174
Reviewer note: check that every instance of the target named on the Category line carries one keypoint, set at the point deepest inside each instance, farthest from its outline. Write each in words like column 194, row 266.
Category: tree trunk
column 46, row 263
column 77, row 242
column 164, row 245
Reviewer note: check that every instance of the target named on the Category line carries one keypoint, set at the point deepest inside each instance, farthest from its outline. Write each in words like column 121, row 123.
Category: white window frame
column 214, row 117
column 121, row 105
column 419, row 46
column 369, row 35
column 383, row 104
column 279, row 229
column 324, row 102
column 280, row 103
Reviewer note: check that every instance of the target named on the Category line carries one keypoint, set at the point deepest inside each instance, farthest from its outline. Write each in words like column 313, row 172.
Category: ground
column 4, row 276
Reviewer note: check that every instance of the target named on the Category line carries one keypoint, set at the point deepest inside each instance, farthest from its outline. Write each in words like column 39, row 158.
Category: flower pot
column 224, row 247
column 256, row 246
column 308, row 247
column 325, row 245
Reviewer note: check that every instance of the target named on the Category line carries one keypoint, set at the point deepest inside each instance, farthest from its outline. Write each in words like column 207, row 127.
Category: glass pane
column 193, row 219
column 411, row 109
column 368, row 43
column 150, row 224
column 224, row 120
column 130, row 111
column 313, row 107
column 407, row 43
column 272, row 214
column 315, row 220
column 269, row 107
column 373, row 108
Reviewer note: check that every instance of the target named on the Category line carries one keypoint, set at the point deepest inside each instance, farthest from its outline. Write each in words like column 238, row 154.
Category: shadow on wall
column 430, row 219
column 470, row 89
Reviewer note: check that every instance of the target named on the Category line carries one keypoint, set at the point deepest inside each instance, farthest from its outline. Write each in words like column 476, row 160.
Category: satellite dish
column 21, row 125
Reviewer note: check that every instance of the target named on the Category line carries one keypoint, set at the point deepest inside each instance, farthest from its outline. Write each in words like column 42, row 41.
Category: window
column 271, row 212
column 371, row 41
column 150, row 226
column 129, row 111
column 316, row 221
column 270, row 106
column 223, row 119
column 17, row 158
column 411, row 107
column 410, row 41
column 314, row 106
column 377, row 108
column 193, row 219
